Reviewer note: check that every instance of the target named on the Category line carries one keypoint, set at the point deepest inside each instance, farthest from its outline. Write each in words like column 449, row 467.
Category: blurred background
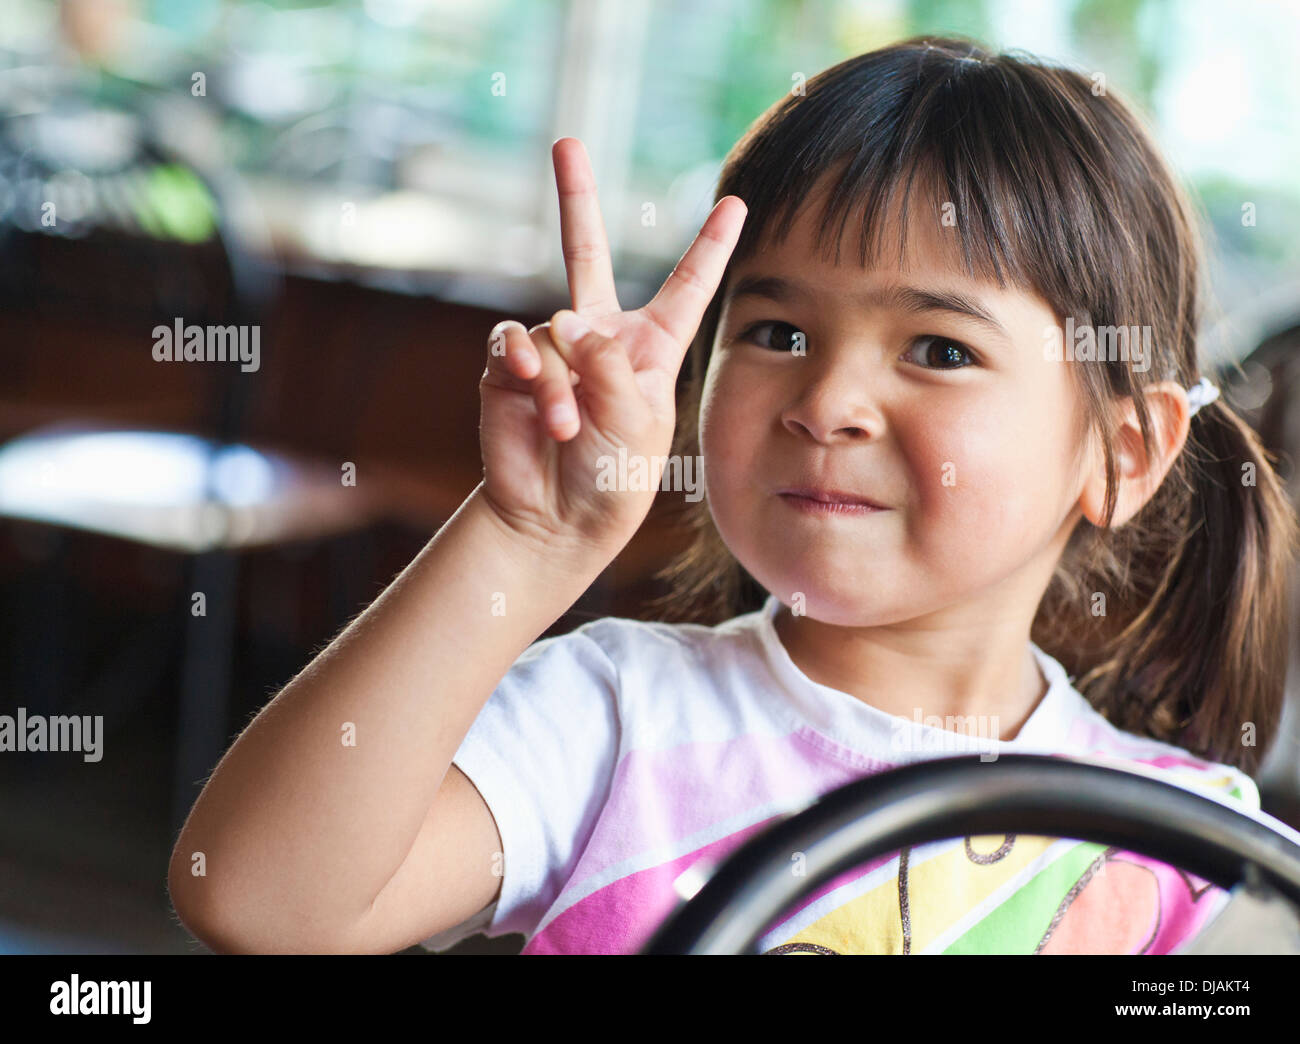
column 365, row 187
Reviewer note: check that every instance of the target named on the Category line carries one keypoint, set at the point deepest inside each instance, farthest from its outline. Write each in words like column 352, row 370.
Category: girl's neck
column 988, row 686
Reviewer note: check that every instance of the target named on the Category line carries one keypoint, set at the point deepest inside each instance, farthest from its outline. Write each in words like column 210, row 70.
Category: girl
column 933, row 523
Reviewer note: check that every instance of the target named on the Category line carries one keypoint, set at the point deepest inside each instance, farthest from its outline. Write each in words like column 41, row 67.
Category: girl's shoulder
column 629, row 642
column 682, row 681
column 1095, row 736
column 1085, row 732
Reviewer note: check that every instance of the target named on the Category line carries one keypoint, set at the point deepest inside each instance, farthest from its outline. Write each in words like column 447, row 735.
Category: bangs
column 1001, row 154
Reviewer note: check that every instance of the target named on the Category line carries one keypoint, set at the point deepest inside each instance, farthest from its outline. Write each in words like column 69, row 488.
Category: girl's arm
column 308, row 841
column 300, row 831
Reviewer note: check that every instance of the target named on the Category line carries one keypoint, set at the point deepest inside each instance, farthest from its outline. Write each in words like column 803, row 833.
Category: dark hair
column 1056, row 187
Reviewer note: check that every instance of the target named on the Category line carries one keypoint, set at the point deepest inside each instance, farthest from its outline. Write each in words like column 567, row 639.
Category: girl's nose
column 835, row 406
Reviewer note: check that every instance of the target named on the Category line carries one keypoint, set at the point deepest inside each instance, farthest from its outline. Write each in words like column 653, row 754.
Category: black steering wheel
column 951, row 797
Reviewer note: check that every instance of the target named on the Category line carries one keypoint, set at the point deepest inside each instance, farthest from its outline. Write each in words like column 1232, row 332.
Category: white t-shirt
column 615, row 757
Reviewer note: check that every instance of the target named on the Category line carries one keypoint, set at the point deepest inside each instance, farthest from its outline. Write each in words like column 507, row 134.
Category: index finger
column 679, row 305
column 582, row 231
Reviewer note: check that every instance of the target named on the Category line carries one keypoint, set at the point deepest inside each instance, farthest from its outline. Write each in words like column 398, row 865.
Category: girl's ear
column 1140, row 474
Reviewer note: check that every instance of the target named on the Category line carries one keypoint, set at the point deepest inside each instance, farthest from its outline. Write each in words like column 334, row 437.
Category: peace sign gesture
column 595, row 379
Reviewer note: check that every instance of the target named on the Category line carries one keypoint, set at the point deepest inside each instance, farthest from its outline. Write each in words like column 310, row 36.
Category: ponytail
column 1197, row 654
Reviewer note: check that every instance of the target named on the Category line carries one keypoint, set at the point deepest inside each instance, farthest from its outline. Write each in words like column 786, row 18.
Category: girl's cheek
column 972, row 474
column 717, row 422
column 727, row 413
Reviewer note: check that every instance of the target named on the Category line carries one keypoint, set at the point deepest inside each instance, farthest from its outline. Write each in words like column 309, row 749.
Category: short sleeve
column 541, row 753
column 1225, row 782
column 1241, row 787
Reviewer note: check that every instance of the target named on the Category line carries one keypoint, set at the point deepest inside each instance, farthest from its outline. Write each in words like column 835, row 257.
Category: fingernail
column 561, row 416
column 570, row 327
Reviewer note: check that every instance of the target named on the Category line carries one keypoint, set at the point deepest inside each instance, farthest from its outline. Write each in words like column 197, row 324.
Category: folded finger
column 512, row 354
column 552, row 390
column 609, row 388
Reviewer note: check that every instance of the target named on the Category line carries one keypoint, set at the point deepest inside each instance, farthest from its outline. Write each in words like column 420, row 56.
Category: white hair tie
column 1202, row 393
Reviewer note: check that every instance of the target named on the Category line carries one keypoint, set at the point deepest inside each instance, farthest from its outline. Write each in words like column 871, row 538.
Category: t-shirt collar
column 849, row 720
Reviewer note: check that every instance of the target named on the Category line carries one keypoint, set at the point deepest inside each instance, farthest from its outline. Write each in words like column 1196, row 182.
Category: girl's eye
column 941, row 353
column 787, row 338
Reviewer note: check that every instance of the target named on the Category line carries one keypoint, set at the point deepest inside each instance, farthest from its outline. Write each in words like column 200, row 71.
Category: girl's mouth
column 815, row 503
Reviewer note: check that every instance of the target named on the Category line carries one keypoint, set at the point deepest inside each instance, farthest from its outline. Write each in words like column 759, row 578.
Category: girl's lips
column 829, row 497
column 811, row 506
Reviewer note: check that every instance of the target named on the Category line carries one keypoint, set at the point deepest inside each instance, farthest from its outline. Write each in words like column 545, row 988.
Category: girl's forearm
column 316, row 804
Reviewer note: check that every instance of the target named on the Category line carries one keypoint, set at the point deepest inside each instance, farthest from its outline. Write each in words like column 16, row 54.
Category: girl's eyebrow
column 911, row 299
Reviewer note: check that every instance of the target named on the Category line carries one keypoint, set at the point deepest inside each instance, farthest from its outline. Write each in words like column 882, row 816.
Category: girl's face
column 958, row 426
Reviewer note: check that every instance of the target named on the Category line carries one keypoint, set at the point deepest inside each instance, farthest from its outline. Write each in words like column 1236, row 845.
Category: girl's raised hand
column 593, row 380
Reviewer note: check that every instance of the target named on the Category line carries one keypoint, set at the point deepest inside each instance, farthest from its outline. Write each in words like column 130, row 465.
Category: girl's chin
column 837, row 580
column 856, row 615
column 829, row 603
